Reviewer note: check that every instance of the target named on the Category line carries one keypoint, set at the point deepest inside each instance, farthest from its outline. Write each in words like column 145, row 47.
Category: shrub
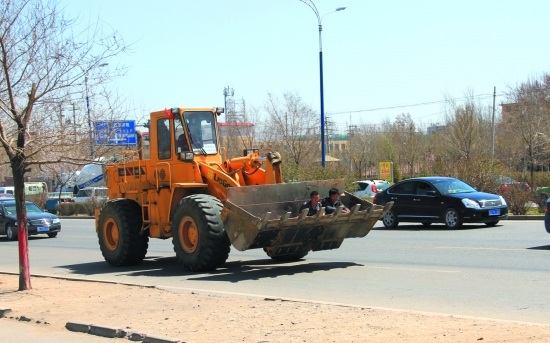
column 38, row 199
column 75, row 208
column 517, row 198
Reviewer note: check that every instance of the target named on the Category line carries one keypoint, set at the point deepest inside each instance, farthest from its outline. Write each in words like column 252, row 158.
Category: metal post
column 89, row 118
column 493, row 130
column 323, row 151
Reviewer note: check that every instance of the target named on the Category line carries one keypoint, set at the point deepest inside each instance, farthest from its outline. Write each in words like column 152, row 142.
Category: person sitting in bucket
column 332, row 202
column 313, row 205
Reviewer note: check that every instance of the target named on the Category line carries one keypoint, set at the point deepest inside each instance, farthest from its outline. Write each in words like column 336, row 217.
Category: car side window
column 404, row 188
column 362, row 185
column 423, row 188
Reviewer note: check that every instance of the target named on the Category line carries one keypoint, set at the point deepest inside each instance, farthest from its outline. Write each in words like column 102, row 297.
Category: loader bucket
column 267, row 216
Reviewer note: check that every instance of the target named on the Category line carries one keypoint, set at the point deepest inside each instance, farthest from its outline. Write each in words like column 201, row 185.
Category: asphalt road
column 501, row 272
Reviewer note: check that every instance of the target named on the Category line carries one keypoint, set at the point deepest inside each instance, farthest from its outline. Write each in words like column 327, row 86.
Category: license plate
column 40, row 229
column 494, row 212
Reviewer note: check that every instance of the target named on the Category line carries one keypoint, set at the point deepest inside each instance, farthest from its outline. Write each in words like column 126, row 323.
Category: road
column 501, row 272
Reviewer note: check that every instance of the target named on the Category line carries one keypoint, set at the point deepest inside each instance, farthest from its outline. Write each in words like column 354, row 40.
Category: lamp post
column 90, row 134
column 319, row 22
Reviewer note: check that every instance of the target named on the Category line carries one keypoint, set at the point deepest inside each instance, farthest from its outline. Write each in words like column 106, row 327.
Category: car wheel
column 52, row 234
column 390, row 220
column 426, row 223
column 492, row 223
column 11, row 233
column 452, row 219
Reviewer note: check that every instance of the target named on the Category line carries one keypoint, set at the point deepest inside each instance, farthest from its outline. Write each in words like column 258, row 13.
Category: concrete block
column 136, row 336
column 4, row 311
column 156, row 339
column 123, row 333
column 104, row 331
column 78, row 327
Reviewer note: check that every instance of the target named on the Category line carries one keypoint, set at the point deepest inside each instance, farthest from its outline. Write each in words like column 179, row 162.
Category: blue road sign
column 116, row 132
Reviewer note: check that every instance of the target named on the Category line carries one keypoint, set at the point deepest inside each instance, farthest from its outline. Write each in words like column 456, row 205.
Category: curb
column 4, row 311
column 113, row 332
column 525, row 218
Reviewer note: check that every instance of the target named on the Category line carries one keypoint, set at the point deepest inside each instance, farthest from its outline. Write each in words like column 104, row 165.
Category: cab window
column 163, row 139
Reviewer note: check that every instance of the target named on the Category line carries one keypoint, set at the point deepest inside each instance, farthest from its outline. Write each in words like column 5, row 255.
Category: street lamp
column 319, row 22
column 89, row 110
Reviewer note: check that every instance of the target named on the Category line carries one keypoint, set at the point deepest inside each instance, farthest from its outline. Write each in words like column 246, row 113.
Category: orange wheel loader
column 189, row 191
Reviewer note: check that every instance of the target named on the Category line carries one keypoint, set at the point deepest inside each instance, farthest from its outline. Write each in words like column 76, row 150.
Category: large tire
column 199, row 239
column 119, row 235
column 288, row 257
column 390, row 220
column 452, row 219
column 11, row 233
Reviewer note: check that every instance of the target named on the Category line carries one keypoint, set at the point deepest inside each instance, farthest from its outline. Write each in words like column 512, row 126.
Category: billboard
column 385, row 171
column 115, row 132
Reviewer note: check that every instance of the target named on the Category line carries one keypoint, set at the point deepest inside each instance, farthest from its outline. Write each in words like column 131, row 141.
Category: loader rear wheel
column 118, row 231
column 199, row 239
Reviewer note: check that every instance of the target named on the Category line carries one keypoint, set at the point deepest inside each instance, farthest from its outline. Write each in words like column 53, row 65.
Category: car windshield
column 452, row 186
column 31, row 208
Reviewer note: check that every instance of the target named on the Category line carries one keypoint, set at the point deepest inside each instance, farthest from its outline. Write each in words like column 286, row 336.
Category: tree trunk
column 18, row 171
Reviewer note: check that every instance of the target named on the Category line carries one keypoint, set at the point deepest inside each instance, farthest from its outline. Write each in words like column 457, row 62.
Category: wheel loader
column 189, row 191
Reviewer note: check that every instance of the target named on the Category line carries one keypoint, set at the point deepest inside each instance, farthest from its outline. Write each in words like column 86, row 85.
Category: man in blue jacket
column 313, row 205
column 332, row 202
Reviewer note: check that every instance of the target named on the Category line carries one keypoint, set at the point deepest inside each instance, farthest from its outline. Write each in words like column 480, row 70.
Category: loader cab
column 185, row 134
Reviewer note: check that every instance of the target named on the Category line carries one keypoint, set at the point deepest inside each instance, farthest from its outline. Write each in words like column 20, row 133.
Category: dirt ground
column 207, row 318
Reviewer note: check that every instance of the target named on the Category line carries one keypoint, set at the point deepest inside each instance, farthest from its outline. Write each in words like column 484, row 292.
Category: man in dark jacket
column 313, row 205
column 332, row 202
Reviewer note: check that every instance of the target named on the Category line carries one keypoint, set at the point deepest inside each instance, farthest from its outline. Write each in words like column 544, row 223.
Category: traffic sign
column 115, row 132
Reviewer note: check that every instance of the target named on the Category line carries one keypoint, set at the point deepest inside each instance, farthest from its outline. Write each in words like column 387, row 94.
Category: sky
column 378, row 56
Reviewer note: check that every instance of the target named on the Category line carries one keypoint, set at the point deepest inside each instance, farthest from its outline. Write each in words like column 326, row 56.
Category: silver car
column 369, row 188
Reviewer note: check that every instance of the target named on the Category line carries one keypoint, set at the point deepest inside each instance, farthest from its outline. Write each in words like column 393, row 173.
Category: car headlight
column 470, row 203
column 502, row 201
column 55, row 221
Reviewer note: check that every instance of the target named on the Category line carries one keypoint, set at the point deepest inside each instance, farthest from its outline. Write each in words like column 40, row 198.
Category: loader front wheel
column 199, row 239
column 118, row 231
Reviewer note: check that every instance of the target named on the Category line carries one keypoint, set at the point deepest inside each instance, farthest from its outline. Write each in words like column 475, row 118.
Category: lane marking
column 474, row 248
column 417, row 269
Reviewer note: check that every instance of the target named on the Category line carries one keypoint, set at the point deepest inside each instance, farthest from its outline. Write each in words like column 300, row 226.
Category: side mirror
column 432, row 193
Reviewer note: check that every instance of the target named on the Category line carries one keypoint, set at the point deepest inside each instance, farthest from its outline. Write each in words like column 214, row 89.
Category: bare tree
column 408, row 141
column 245, row 133
column 529, row 120
column 294, row 126
column 45, row 62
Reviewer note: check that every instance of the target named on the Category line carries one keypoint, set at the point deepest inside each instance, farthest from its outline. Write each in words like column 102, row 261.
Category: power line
column 480, row 96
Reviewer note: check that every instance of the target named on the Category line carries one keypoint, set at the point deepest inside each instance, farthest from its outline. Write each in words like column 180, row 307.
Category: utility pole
column 493, row 130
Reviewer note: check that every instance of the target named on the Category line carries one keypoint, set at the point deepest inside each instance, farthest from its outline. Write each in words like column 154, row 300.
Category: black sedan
column 38, row 221
column 445, row 200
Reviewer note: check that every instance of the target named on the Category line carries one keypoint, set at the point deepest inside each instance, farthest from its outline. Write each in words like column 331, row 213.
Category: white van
column 91, row 194
column 7, row 190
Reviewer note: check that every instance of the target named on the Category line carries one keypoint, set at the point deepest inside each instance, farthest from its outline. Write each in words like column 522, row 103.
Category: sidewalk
column 23, row 332
column 192, row 317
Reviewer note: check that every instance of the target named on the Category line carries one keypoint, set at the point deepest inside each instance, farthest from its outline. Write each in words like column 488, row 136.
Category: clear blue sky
column 377, row 54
